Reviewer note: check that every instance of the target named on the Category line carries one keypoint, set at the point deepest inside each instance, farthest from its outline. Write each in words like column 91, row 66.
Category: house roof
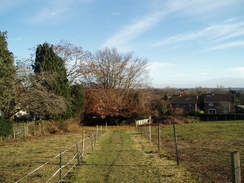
column 184, row 99
column 216, row 98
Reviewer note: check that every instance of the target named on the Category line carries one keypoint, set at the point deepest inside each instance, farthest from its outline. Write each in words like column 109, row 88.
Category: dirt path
column 124, row 156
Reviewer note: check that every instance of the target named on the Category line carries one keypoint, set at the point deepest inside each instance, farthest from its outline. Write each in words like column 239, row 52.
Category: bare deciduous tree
column 111, row 69
column 73, row 57
column 111, row 79
column 38, row 99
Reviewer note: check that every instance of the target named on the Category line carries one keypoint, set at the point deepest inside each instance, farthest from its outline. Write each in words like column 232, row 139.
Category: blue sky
column 188, row 43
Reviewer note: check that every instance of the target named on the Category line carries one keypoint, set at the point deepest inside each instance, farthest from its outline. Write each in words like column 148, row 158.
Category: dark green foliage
column 6, row 57
column 6, row 127
column 159, row 107
column 51, row 66
column 49, row 63
column 77, row 100
column 7, row 76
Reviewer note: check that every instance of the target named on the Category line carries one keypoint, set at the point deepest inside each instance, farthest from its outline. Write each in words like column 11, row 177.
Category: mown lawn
column 206, row 146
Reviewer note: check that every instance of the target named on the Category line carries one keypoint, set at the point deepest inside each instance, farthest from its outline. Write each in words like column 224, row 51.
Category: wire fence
column 59, row 167
column 33, row 128
column 210, row 167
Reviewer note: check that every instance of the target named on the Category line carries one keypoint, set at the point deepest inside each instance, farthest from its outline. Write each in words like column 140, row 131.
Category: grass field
column 203, row 147
column 21, row 156
column 124, row 156
column 206, row 146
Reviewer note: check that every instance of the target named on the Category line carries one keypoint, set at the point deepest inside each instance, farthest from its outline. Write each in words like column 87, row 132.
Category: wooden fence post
column 150, row 133
column 83, row 142
column 77, row 153
column 159, row 138
column 60, row 165
column 176, row 146
column 144, row 130
column 91, row 143
column 236, row 167
column 96, row 133
column 13, row 131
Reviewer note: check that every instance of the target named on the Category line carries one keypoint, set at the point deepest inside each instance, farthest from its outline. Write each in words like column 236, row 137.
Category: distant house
column 186, row 102
column 217, row 103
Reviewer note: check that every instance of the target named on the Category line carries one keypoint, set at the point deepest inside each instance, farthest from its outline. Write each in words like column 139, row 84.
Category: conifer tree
column 51, row 66
column 77, row 99
column 7, row 76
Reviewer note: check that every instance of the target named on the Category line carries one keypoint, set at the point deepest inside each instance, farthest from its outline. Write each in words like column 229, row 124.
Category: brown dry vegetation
column 205, row 147
column 167, row 120
column 21, row 156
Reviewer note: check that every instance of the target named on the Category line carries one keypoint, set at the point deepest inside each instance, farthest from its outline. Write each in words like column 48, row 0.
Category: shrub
column 6, row 127
column 172, row 120
column 176, row 111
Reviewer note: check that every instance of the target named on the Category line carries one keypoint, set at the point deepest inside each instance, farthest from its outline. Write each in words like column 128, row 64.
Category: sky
column 188, row 43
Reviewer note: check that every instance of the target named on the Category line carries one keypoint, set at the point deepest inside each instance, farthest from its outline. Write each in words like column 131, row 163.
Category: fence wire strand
column 63, row 166
column 70, row 170
column 196, row 159
column 197, row 150
column 37, row 168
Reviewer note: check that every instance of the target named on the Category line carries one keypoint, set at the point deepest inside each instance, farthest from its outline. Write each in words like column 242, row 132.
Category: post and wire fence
column 57, row 168
column 208, row 166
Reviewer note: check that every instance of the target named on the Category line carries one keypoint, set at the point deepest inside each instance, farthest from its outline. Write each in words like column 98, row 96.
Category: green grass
column 206, row 146
column 21, row 156
column 125, row 156
column 122, row 155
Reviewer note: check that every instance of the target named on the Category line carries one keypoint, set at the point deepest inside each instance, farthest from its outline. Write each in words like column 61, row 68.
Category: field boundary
column 231, row 169
column 74, row 153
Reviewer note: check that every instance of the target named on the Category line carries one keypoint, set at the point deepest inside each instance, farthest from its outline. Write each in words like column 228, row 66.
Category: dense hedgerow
column 6, row 127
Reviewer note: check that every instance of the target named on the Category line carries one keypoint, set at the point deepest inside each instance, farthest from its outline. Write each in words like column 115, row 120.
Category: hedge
column 6, row 127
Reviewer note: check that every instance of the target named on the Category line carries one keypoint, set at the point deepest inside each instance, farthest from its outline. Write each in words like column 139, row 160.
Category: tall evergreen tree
column 47, row 62
column 52, row 68
column 77, row 100
column 7, row 76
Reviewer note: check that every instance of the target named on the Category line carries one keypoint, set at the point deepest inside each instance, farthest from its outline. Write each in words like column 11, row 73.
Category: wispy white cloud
column 214, row 34
column 18, row 39
column 239, row 70
column 202, row 73
column 160, row 10
column 56, row 11
column 159, row 65
column 133, row 30
column 224, row 46
column 197, row 6
column 218, row 32
column 116, row 13
column 47, row 14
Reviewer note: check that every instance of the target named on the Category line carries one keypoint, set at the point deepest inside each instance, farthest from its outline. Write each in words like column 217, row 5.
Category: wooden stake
column 236, row 167
column 159, row 138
